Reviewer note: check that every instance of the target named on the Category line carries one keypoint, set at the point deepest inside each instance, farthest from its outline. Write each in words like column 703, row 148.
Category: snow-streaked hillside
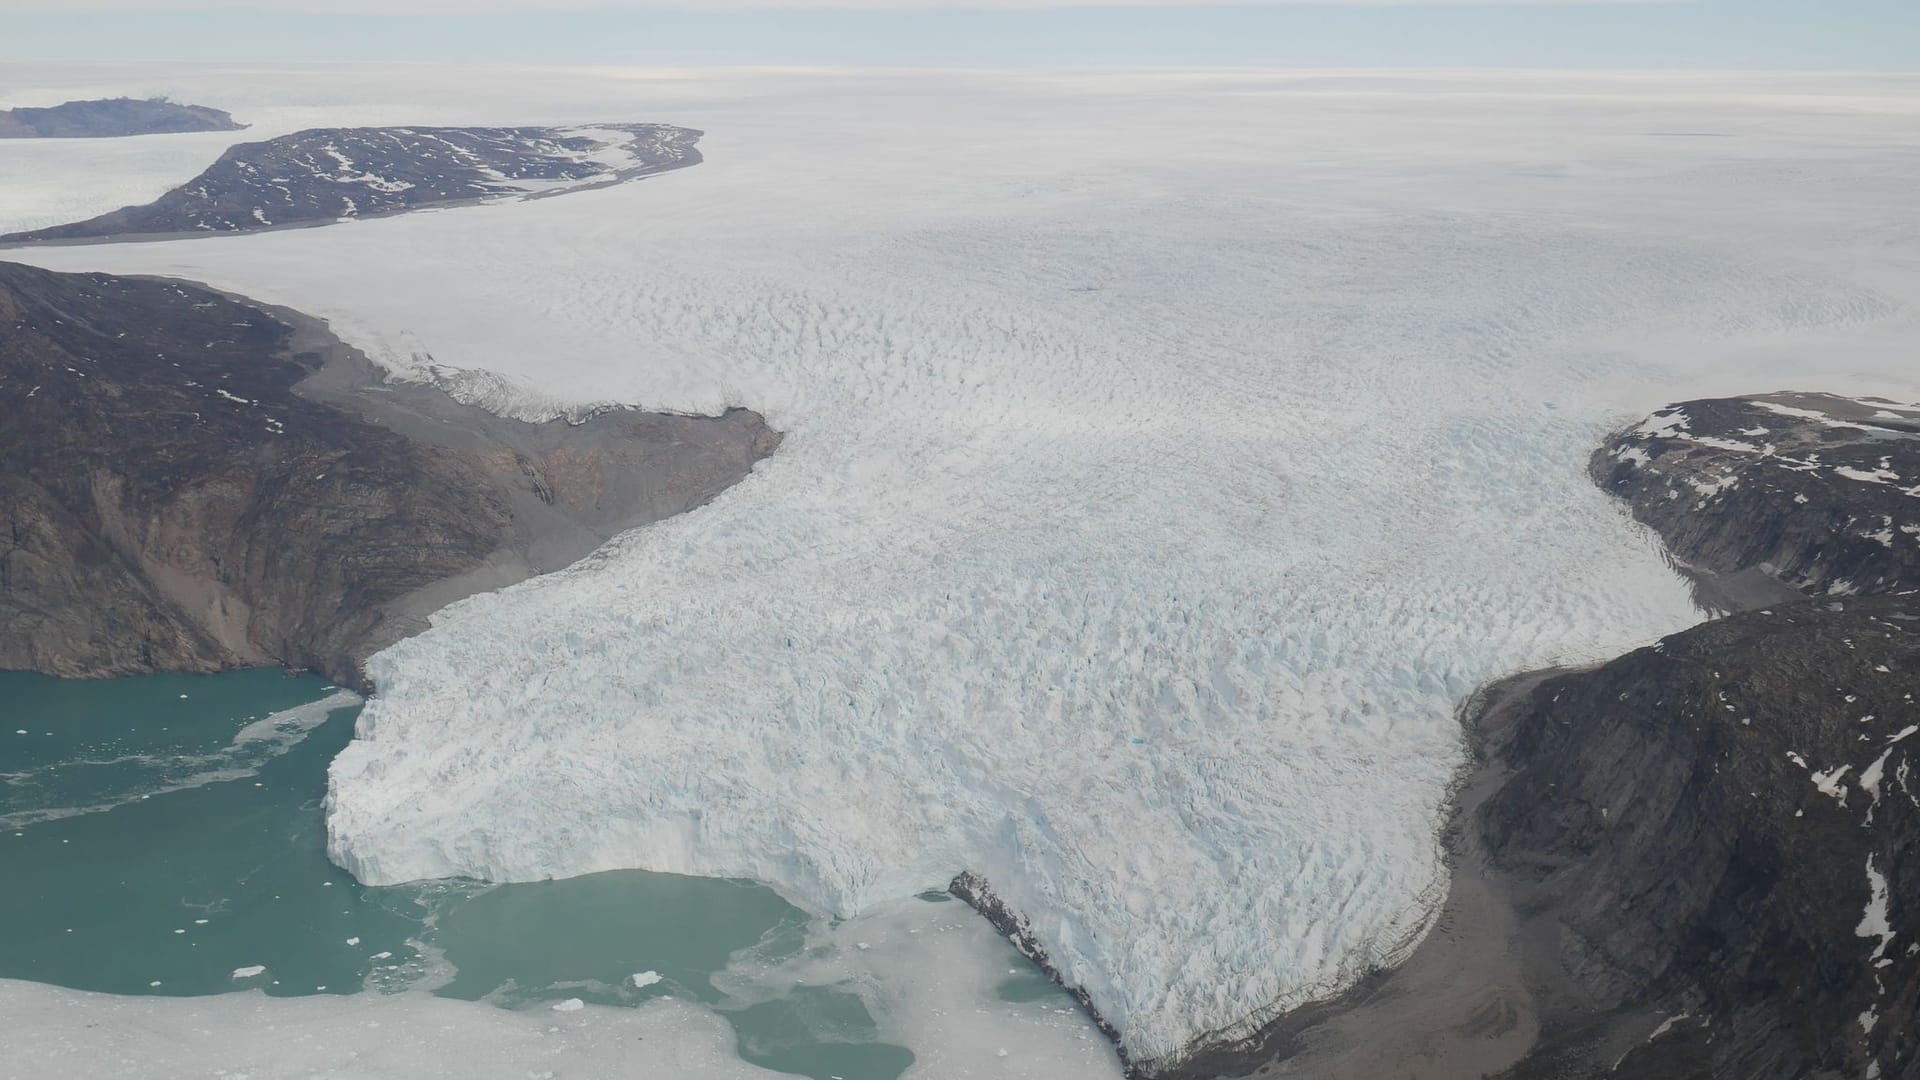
column 1167, row 456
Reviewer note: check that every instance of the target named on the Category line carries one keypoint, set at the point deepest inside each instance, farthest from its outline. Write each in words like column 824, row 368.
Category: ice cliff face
column 1145, row 508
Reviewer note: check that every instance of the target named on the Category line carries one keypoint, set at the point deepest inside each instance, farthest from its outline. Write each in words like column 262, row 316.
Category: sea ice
column 53, row 1031
column 1161, row 471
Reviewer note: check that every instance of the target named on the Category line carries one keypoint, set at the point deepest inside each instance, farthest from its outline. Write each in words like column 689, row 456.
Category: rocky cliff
column 189, row 482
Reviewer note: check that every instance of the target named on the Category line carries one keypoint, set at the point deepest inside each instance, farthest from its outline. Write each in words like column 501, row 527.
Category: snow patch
column 1828, row 783
column 1874, row 922
column 1880, row 475
column 1667, row 1025
column 1665, row 424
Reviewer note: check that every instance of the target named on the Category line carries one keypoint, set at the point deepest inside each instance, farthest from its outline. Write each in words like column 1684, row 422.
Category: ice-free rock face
column 108, row 117
column 331, row 174
column 188, row 482
column 1727, row 828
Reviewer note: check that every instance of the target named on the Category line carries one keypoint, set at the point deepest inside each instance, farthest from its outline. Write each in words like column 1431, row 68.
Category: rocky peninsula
column 190, row 481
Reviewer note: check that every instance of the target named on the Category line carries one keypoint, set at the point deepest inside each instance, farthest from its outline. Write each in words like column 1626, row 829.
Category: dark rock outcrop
column 190, row 482
column 109, row 117
column 326, row 175
column 1725, row 828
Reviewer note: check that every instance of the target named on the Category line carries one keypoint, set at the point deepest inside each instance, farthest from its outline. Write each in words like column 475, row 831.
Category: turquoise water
column 160, row 834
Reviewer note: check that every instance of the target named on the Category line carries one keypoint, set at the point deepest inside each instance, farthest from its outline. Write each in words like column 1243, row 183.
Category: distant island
column 109, row 117
column 326, row 175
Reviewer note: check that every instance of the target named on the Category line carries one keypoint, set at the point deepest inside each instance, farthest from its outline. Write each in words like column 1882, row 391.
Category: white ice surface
column 58, row 1032
column 1166, row 457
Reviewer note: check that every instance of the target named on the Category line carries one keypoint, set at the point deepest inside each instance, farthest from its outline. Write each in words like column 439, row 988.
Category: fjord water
column 163, row 835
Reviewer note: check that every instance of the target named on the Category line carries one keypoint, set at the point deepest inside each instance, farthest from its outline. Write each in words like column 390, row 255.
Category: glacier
column 1167, row 455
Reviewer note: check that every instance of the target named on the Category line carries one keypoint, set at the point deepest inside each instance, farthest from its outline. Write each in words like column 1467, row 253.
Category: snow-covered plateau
column 1167, row 455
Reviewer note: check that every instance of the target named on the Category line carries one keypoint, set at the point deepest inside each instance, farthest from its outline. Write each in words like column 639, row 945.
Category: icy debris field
column 1167, row 456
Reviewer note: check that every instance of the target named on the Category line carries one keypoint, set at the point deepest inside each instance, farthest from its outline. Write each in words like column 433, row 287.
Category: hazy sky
column 1780, row 34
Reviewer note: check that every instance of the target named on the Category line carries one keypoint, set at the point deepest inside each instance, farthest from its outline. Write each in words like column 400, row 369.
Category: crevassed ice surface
column 1166, row 458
